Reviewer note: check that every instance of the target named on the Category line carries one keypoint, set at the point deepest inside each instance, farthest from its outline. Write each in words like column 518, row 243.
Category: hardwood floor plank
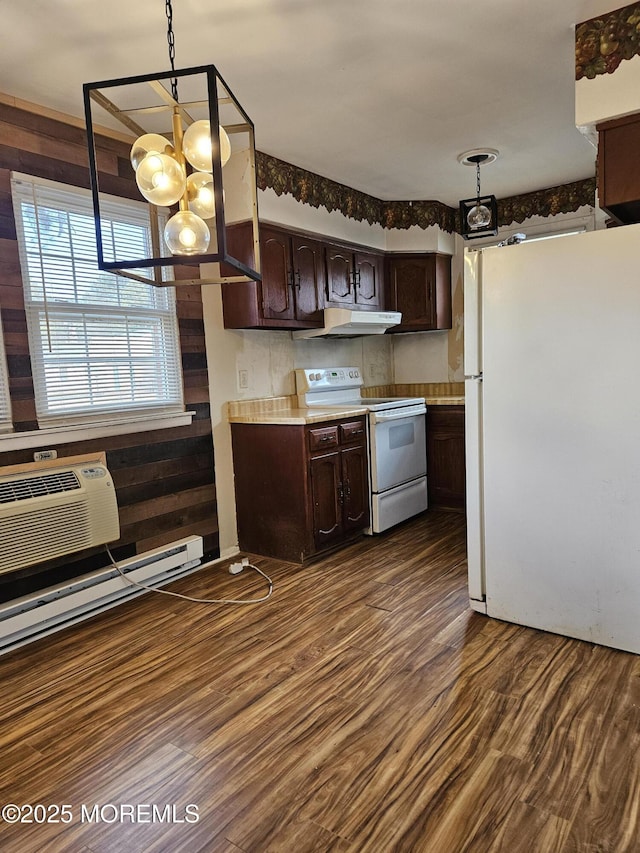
column 527, row 829
column 364, row 707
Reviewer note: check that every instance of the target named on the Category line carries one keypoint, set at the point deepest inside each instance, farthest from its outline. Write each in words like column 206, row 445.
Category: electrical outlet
column 243, row 379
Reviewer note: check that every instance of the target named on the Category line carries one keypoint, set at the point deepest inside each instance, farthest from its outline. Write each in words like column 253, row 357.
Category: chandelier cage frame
column 236, row 240
column 469, row 231
column 467, row 205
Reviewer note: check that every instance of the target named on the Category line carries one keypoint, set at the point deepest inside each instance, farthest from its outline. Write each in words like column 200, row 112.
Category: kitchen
column 243, row 365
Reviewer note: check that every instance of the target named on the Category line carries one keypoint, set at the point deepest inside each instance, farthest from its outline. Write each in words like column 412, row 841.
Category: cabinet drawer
column 445, row 416
column 352, row 432
column 323, row 437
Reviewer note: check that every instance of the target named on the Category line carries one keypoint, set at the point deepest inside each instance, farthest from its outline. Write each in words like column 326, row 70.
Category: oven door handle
column 399, row 414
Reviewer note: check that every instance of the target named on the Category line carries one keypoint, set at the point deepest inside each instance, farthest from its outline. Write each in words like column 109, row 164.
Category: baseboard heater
column 25, row 619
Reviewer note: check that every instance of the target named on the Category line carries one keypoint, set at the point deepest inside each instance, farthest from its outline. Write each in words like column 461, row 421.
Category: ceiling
column 381, row 95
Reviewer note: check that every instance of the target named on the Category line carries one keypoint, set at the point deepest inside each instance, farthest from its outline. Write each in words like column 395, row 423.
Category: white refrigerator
column 552, row 364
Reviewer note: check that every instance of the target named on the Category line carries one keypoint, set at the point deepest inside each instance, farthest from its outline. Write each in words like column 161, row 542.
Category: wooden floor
column 363, row 708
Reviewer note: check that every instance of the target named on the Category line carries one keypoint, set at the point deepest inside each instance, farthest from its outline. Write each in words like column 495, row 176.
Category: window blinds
column 5, row 401
column 102, row 346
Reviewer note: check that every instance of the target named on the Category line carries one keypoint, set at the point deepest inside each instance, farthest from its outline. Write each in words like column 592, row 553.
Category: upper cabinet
column 288, row 297
column 353, row 278
column 292, row 274
column 619, row 168
column 419, row 286
column 302, row 274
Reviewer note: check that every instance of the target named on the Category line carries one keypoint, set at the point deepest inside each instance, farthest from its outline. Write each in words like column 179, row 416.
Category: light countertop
column 295, row 416
column 444, row 401
column 284, row 410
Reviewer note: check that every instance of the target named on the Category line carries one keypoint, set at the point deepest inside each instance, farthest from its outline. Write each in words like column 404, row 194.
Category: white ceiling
column 381, row 95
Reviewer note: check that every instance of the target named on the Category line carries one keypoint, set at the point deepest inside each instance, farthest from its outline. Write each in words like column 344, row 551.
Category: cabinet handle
column 290, row 279
column 357, row 279
column 340, row 493
column 347, row 490
column 297, row 279
column 326, row 438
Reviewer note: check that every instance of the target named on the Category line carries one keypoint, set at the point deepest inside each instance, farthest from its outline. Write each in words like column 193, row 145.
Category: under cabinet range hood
column 349, row 322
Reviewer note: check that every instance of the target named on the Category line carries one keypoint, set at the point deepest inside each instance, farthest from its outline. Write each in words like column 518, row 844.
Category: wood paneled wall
column 164, row 478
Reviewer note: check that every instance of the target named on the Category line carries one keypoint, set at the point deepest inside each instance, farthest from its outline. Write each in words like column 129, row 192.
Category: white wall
column 285, row 210
column 609, row 96
column 269, row 358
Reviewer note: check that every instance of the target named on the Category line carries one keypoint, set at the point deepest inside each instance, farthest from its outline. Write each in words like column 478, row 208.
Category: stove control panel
column 327, row 378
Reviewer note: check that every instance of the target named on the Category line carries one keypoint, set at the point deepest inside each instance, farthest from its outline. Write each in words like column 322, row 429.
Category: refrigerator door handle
column 472, row 313
column 475, row 499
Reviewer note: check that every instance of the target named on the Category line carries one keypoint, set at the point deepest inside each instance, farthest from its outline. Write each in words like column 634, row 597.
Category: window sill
column 86, row 432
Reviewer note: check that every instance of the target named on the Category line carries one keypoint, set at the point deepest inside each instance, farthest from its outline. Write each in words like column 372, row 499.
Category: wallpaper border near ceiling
column 317, row 191
column 604, row 41
column 566, row 198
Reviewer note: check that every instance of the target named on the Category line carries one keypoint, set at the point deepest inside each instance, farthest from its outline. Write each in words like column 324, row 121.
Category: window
column 102, row 346
column 5, row 401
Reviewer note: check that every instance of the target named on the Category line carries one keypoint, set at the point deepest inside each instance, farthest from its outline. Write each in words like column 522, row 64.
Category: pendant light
column 177, row 158
column 479, row 215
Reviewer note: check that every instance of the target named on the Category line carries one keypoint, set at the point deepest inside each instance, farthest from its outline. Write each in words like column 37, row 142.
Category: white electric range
column 396, row 438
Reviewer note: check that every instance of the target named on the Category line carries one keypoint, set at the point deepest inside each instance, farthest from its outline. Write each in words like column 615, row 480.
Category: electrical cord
column 197, row 600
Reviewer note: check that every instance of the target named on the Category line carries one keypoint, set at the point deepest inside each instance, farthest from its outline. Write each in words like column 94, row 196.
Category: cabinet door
column 277, row 292
column 339, row 276
column 369, row 279
column 446, row 457
column 308, row 278
column 355, row 487
column 618, row 168
column 326, row 494
column 412, row 292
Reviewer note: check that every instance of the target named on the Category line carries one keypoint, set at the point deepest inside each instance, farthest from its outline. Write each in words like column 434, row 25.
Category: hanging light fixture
column 479, row 215
column 196, row 212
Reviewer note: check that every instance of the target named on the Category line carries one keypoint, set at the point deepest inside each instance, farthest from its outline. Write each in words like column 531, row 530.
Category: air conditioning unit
column 55, row 511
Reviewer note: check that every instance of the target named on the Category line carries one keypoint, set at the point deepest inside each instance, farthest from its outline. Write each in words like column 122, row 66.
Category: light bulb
column 200, row 194
column 160, row 179
column 479, row 216
column 186, row 234
column 196, row 145
column 148, row 143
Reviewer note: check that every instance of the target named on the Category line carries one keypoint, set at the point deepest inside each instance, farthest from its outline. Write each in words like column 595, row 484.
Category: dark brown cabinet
column 619, row 168
column 288, row 297
column 353, row 278
column 339, row 482
column 446, row 457
column 303, row 274
column 419, row 286
column 300, row 489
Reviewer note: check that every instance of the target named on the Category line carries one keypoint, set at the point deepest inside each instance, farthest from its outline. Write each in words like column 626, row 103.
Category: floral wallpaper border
column 566, row 198
column 603, row 42
column 312, row 189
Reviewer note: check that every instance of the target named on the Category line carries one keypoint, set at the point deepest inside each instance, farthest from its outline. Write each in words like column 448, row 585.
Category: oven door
column 398, row 446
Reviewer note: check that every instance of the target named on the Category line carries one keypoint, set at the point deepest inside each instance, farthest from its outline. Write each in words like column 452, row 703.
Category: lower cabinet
column 300, row 490
column 446, row 457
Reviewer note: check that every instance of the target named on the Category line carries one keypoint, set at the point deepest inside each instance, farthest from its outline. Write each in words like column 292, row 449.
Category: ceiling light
column 479, row 215
column 178, row 150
